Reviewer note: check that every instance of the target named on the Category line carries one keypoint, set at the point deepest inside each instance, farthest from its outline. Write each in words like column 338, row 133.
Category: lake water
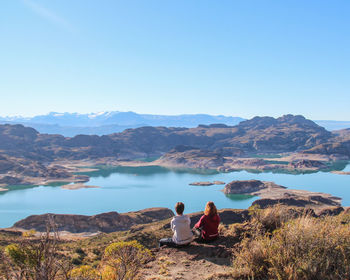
column 126, row 189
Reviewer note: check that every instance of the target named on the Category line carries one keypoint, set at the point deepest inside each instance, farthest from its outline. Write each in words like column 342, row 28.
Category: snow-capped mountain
column 70, row 124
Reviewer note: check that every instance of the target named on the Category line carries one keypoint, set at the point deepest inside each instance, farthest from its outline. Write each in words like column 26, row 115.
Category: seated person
column 207, row 227
column 180, row 225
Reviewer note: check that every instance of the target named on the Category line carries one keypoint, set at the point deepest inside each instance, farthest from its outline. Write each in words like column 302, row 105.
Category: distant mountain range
column 259, row 135
column 334, row 125
column 29, row 157
column 103, row 123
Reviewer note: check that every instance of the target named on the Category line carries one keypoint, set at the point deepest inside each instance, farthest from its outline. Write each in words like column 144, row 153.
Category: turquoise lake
column 124, row 189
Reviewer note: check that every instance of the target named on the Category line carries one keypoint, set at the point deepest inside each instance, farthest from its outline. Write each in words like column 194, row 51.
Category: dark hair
column 179, row 208
column 210, row 209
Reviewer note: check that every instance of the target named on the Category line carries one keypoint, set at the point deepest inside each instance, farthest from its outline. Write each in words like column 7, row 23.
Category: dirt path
column 197, row 261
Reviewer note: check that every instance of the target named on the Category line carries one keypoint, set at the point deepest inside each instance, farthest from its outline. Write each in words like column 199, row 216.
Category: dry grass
column 269, row 219
column 302, row 248
column 219, row 276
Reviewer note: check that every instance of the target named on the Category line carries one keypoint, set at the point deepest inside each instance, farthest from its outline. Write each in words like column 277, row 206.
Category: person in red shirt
column 207, row 227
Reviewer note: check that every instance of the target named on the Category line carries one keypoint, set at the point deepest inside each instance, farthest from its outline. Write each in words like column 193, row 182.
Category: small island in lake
column 78, row 186
column 271, row 194
column 207, row 183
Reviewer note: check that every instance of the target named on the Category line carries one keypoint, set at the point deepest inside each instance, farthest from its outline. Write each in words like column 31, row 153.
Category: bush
column 269, row 219
column 122, row 260
column 304, row 248
column 29, row 233
column 77, row 261
column 80, row 251
column 96, row 251
column 33, row 259
column 84, row 272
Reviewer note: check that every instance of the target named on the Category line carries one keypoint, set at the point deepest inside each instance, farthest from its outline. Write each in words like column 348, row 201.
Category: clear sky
column 237, row 58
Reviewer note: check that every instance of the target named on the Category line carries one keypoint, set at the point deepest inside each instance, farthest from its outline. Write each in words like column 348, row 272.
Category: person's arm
column 200, row 222
column 219, row 220
column 172, row 226
column 188, row 220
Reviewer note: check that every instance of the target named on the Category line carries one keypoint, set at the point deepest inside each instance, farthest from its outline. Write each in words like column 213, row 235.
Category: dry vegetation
column 276, row 243
column 291, row 246
column 46, row 258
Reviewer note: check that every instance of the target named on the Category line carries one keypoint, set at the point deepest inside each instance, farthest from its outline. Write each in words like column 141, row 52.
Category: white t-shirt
column 180, row 225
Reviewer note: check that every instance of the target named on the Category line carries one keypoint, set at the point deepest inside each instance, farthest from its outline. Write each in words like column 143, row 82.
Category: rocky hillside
column 26, row 155
column 343, row 134
column 105, row 222
column 260, row 134
column 340, row 150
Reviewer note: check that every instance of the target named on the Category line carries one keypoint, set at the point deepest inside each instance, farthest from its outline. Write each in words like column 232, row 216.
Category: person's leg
column 197, row 232
column 167, row 241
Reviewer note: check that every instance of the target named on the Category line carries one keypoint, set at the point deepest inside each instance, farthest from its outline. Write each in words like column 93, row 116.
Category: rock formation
column 307, row 164
column 105, row 222
column 271, row 194
column 244, row 187
column 337, row 150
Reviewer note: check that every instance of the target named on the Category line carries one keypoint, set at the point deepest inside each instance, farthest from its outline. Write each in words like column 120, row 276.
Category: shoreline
column 283, row 164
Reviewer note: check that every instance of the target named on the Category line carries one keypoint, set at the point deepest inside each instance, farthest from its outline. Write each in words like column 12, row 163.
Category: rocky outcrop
column 341, row 172
column 343, row 134
column 21, row 171
column 296, row 201
column 337, row 150
column 105, row 222
column 192, row 158
column 271, row 194
column 78, row 186
column 307, row 164
column 244, row 187
column 331, row 211
column 206, row 183
column 9, row 180
column 287, row 133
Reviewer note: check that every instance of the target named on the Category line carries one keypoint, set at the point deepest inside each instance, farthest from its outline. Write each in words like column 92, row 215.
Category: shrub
column 267, row 220
column 122, row 260
column 33, row 259
column 4, row 270
column 304, row 248
column 96, row 251
column 80, row 251
column 84, row 272
column 77, row 261
column 29, row 233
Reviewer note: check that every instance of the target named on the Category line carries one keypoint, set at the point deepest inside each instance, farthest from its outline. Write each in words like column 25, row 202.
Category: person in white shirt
column 180, row 225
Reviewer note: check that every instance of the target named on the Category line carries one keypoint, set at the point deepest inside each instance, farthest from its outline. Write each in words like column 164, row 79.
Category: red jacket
column 209, row 225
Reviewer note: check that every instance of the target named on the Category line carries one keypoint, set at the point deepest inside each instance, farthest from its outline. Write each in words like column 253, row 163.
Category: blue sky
column 238, row 58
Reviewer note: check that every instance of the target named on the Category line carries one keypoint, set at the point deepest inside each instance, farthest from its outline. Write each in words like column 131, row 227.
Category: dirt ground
column 196, row 261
